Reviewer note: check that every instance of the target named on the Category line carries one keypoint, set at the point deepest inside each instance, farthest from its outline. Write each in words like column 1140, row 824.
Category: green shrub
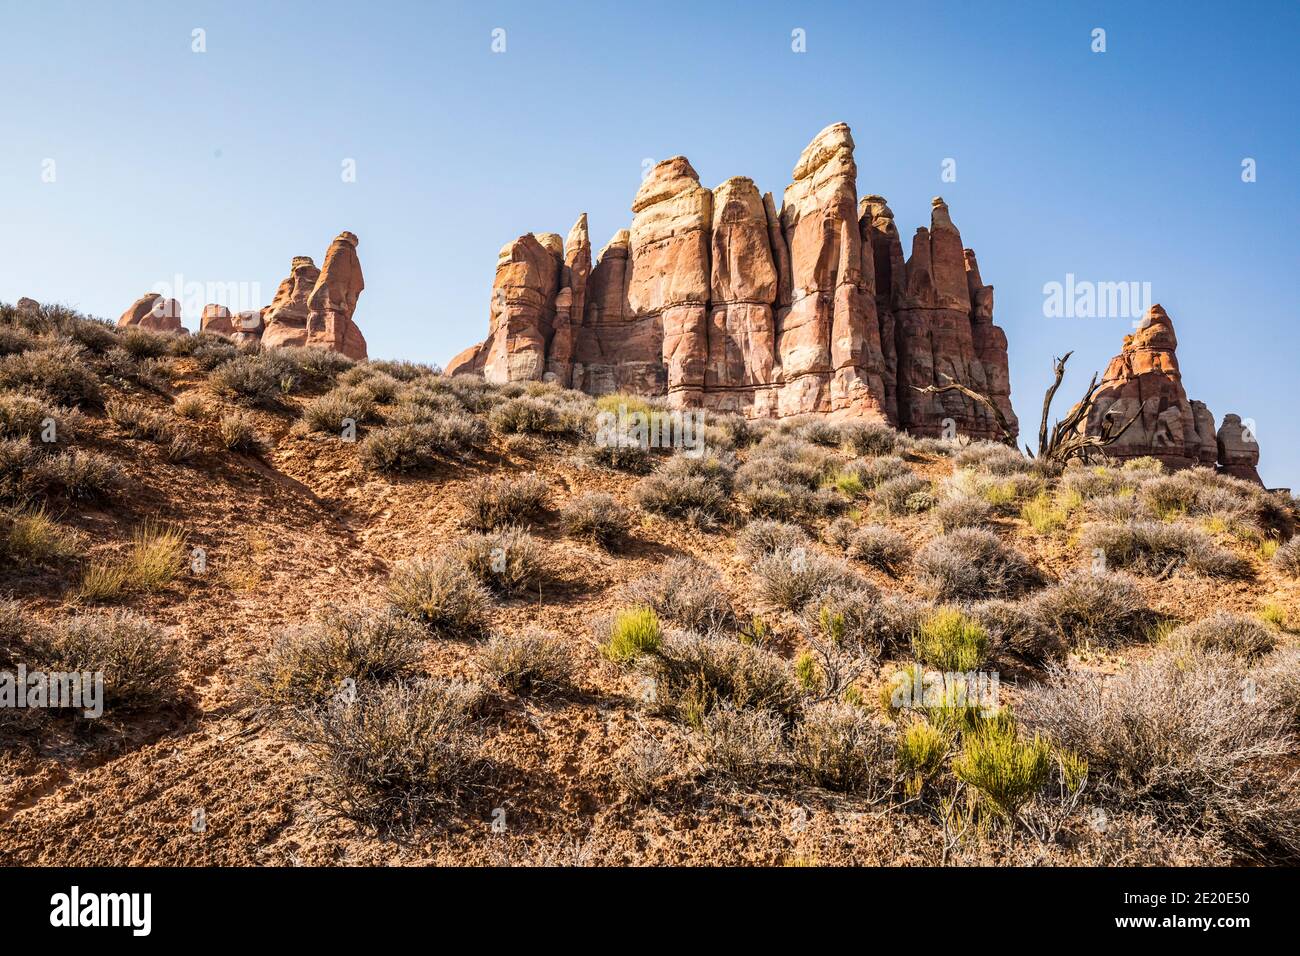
column 1006, row 770
column 633, row 632
column 139, row 421
column 950, row 641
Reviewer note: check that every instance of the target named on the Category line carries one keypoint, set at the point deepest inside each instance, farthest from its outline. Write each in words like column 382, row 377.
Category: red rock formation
column 716, row 301
column 216, row 318
column 333, row 300
column 1144, row 381
column 1238, row 449
column 285, row 319
column 151, row 311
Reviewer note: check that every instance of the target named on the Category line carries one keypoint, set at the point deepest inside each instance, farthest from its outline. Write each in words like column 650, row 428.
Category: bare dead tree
column 1069, row 437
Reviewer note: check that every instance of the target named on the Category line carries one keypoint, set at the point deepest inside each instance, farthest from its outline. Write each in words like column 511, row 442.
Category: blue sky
column 221, row 166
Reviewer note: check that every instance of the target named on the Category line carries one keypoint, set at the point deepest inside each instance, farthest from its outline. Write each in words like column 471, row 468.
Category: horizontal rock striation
column 715, row 300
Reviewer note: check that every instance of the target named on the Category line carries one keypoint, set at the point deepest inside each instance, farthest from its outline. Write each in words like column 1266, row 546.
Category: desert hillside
column 354, row 613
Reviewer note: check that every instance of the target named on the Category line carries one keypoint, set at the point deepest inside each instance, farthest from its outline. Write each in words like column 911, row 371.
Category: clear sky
column 221, row 166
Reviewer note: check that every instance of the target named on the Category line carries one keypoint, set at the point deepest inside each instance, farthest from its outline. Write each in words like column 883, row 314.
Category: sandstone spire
column 715, row 299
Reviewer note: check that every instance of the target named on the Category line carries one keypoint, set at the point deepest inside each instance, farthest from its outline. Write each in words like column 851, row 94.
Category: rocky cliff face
column 1144, row 381
column 715, row 300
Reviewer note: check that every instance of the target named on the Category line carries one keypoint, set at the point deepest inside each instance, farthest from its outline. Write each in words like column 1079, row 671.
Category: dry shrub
column 335, row 410
column 597, row 517
column 904, row 495
column 79, row 475
column 494, row 502
column 972, row 564
column 871, row 439
column 401, row 753
column 695, row 673
column 238, row 433
column 1175, row 735
column 508, row 560
column 1094, row 610
column 1017, row 633
column 685, row 592
column 879, row 547
column 1287, row 558
column 962, row 511
column 993, row 459
column 310, row 667
column 697, row 490
column 22, row 416
column 58, row 372
column 442, row 594
column 409, row 447
column 743, row 745
column 532, row 663
column 139, row 421
column 1238, row 634
column 1158, row 548
column 790, row 578
column 30, row 536
column 140, row 664
column 645, row 764
column 763, row 536
column 841, row 747
column 525, row 416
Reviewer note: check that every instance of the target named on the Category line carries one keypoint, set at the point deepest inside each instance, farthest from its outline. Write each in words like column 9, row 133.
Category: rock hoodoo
column 715, row 300
column 1144, row 381
column 311, row 307
column 151, row 311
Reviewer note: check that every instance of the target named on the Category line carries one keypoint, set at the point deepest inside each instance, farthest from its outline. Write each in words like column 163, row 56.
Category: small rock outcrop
column 1144, row 383
column 151, row 311
column 285, row 319
column 715, row 300
column 216, row 318
column 333, row 300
